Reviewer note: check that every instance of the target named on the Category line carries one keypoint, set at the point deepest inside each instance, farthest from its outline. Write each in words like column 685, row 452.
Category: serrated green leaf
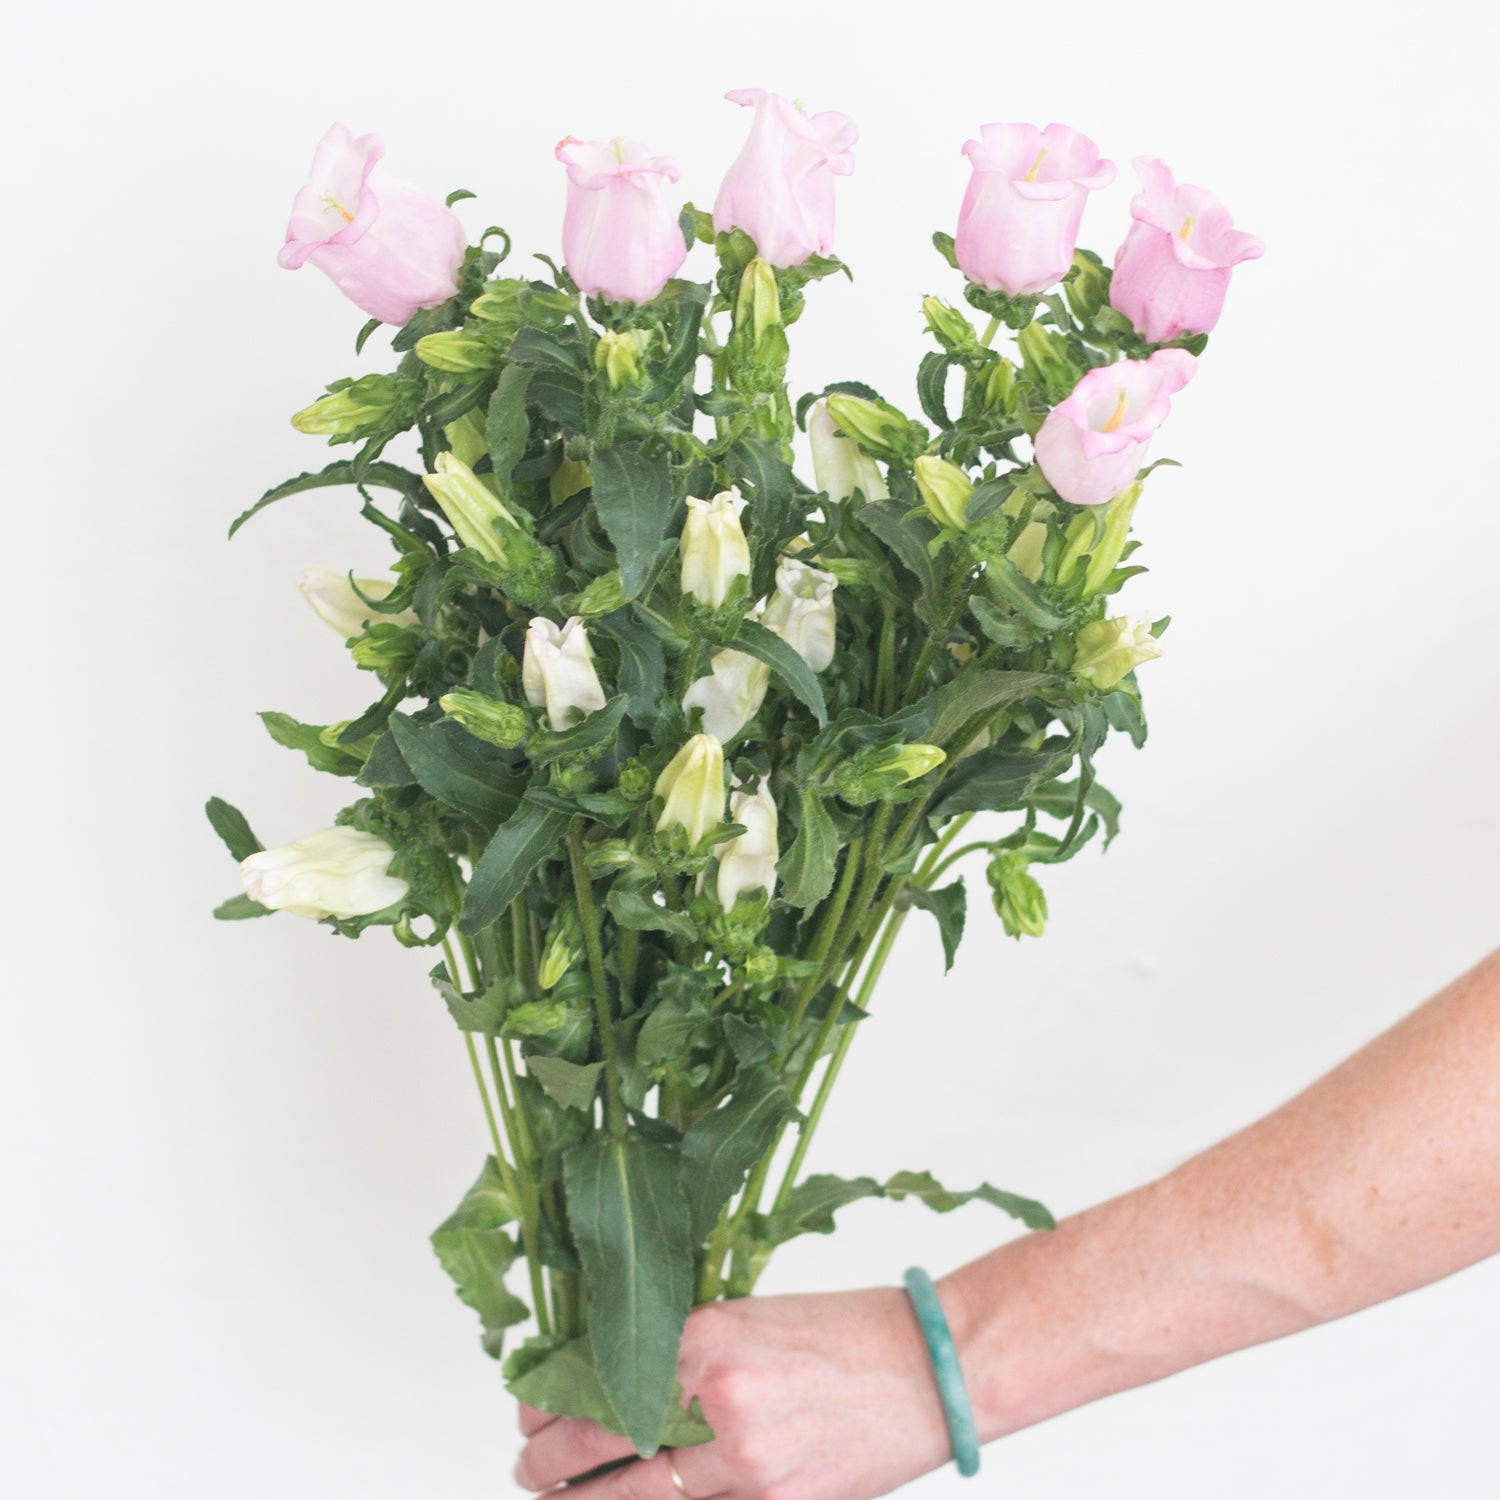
column 506, row 429
column 948, row 905
column 786, row 662
column 307, row 738
column 519, row 844
column 633, row 499
column 806, row 871
column 634, row 909
column 232, row 826
column 642, row 675
column 573, row 1085
column 387, row 476
column 474, row 1249
column 455, row 768
column 719, row 1149
column 631, row 1224
column 910, row 540
column 957, row 705
column 593, row 729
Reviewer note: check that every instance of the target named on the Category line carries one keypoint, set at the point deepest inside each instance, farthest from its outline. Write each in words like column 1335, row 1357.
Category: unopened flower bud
column 945, row 490
column 839, row 466
column 878, row 427
column 564, row 945
column 950, row 327
column 730, row 693
column 334, row 601
column 1104, row 556
column 338, row 872
column 1019, row 901
column 1049, row 363
column 635, row 780
column 617, row 356
column 601, row 596
column 486, row 718
column 1109, row 649
column 458, row 353
column 757, row 309
column 610, row 855
column 878, row 771
column 748, row 862
column 387, row 649
column 466, row 437
column 350, row 407
column 471, row 508
column 692, row 788
column 557, row 670
column 713, row 549
column 1088, row 290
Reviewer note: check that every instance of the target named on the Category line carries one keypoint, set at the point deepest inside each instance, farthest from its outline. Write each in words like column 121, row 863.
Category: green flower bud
column 466, row 436
column 878, row 427
column 1104, row 555
column 351, row 407
column 878, row 771
column 610, row 855
column 1049, row 362
column 945, row 490
column 950, row 327
column 500, row 302
column 998, row 393
column 458, row 353
column 852, row 572
column 757, row 308
column 472, row 508
column 617, row 356
column 387, row 649
column 564, row 946
column 1110, row 649
column 635, row 780
column 1019, row 901
column 602, row 596
column 761, row 967
column 486, row 718
column 1087, row 291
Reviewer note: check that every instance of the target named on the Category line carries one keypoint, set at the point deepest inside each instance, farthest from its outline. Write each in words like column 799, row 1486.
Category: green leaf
column 972, row 695
column 384, row 765
column 573, row 1085
column 765, row 645
column 452, row 766
column 475, row 1251
column 1059, row 799
column 566, row 1384
column 667, row 1031
column 909, row 540
column 506, row 428
column 484, row 1012
column 519, row 844
column 811, row 1205
column 240, row 908
column 771, row 512
column 719, row 1149
column 633, row 498
column 1010, row 631
column 387, row 476
column 231, row 826
column 593, row 729
column 995, row 778
column 926, row 1188
column 634, row 909
column 634, row 1235
column 989, row 495
column 1018, row 591
column 307, row 738
column 948, row 905
column 806, row 872
column 932, row 387
column 642, row 674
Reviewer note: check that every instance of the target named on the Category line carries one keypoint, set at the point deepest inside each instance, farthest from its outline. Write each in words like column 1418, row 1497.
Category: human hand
column 824, row 1397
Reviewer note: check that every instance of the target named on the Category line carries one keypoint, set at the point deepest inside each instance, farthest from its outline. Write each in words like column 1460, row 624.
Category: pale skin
column 1381, row 1177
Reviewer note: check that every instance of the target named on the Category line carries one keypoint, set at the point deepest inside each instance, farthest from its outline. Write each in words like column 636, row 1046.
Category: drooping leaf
column 786, row 662
column 633, row 499
column 566, row 1384
column 631, row 1224
column 806, row 871
column 232, row 826
column 240, row 909
column 454, row 767
column 483, row 1013
column 307, row 738
column 927, row 1189
column 1059, row 799
column 474, row 1249
column 719, row 1149
column 387, row 476
column 948, row 905
column 518, row 846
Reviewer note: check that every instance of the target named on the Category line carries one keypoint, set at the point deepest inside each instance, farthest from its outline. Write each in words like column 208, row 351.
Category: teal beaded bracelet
column 945, row 1367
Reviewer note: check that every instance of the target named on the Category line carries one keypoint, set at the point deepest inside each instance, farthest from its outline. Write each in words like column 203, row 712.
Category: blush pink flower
column 1093, row 444
column 387, row 246
column 1020, row 214
column 621, row 238
column 780, row 188
column 1172, row 272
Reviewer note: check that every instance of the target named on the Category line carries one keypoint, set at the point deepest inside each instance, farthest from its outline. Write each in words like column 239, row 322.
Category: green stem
column 827, row 931
column 987, row 337
column 614, row 1107
column 885, row 667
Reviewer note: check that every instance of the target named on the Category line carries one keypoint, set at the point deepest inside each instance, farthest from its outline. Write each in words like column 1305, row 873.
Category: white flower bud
column 801, row 611
column 693, row 789
column 713, row 549
column 748, row 863
column 1109, row 649
column 470, row 506
column 335, row 602
column 730, row 694
column 338, row 872
column 557, row 670
column 838, row 465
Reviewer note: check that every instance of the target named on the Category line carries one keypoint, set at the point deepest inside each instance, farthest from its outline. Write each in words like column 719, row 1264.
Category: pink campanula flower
column 621, row 238
column 1172, row 272
column 385, row 244
column 1094, row 442
column 1020, row 214
column 780, row 188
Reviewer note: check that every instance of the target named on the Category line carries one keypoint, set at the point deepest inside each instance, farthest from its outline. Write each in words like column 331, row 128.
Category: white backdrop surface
column 224, row 1146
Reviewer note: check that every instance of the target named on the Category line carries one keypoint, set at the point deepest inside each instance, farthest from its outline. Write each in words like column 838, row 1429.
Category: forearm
column 1381, row 1177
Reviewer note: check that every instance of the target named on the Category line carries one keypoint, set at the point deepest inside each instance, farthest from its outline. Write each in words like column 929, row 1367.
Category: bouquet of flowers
column 668, row 742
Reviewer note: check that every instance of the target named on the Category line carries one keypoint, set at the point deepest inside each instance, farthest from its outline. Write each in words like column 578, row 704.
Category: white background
column 224, row 1146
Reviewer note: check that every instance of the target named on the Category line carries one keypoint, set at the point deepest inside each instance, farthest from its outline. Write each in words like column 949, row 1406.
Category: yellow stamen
column 329, row 201
column 1118, row 415
column 619, row 145
column 1036, row 165
column 1186, row 231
